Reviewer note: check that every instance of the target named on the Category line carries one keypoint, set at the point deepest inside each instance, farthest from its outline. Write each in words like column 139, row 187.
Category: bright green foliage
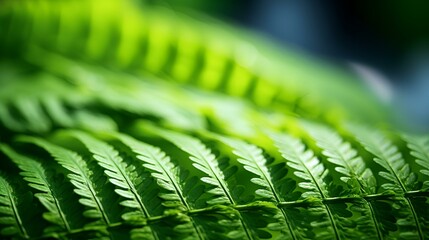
column 121, row 120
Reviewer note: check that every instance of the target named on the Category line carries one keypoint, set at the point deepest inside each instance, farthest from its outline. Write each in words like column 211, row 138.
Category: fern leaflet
column 80, row 176
column 399, row 175
column 420, row 150
column 308, row 168
column 206, row 162
column 346, row 159
column 37, row 177
column 253, row 160
column 161, row 168
column 115, row 168
column 351, row 166
column 9, row 213
column 164, row 171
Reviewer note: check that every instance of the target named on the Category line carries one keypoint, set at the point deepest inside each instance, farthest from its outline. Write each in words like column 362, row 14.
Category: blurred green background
column 386, row 41
column 331, row 52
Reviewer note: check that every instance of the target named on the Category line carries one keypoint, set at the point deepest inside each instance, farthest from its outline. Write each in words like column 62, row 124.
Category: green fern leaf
column 99, row 208
column 161, row 168
column 353, row 168
column 346, row 159
column 118, row 174
column 206, row 162
column 312, row 173
column 40, row 103
column 420, row 150
column 138, row 194
column 165, row 173
column 10, row 216
column 60, row 210
column 397, row 171
column 253, row 161
column 307, row 167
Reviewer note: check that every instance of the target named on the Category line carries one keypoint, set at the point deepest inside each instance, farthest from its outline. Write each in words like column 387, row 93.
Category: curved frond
column 38, row 104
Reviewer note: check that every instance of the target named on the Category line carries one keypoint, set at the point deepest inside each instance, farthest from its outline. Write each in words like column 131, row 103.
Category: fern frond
column 159, row 164
column 253, row 161
column 205, row 161
column 161, row 168
column 397, row 170
column 307, row 166
column 165, row 173
column 118, row 175
column 98, row 208
column 61, row 210
column 419, row 147
column 346, row 159
column 139, row 194
column 311, row 172
column 123, row 91
column 40, row 103
column 10, row 216
column 355, row 174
